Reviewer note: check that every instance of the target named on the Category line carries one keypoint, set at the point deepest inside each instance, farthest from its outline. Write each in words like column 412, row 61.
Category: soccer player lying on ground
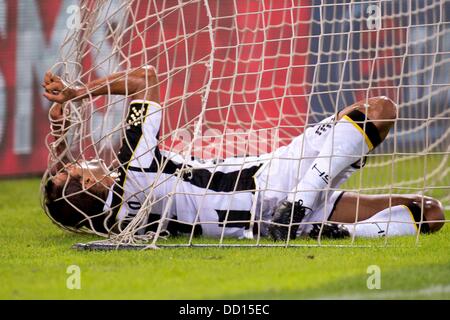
column 296, row 183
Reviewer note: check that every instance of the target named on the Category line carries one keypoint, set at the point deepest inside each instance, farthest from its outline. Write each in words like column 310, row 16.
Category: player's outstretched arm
column 59, row 124
column 140, row 83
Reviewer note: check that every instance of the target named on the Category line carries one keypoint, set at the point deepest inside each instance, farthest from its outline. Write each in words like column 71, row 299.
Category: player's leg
column 358, row 130
column 403, row 211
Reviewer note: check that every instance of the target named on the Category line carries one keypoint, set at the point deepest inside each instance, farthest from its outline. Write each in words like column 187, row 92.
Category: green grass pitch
column 35, row 254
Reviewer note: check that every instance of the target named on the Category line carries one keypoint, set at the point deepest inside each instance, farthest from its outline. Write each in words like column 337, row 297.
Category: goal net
column 239, row 79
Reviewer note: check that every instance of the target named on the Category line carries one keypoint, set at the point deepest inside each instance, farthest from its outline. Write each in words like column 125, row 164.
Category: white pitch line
column 394, row 294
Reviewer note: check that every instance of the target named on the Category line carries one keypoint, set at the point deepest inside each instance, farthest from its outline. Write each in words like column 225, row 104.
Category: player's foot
column 282, row 216
column 329, row 231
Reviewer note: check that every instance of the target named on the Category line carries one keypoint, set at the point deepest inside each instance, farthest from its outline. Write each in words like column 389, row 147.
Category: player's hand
column 56, row 90
column 57, row 111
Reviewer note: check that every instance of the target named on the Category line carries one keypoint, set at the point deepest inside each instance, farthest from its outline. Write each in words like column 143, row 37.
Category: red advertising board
column 26, row 153
column 31, row 33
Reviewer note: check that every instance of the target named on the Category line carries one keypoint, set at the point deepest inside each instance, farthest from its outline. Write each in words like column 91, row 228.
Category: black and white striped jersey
column 219, row 197
column 216, row 199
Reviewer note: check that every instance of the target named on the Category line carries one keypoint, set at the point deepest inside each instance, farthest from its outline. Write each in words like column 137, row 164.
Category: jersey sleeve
column 140, row 140
column 139, row 144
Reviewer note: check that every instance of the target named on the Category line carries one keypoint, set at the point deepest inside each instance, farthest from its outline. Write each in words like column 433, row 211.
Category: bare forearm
column 59, row 145
column 59, row 125
column 121, row 83
column 140, row 83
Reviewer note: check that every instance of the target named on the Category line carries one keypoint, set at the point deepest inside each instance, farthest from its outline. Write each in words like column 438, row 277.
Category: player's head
column 75, row 196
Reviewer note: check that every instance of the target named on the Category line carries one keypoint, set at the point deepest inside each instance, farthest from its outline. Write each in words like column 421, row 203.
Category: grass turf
column 35, row 254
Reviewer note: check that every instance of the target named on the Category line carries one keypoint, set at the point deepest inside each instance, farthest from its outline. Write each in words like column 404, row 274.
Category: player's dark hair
column 62, row 202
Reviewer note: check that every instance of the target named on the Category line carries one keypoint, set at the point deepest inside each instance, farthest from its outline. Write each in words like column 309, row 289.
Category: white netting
column 258, row 71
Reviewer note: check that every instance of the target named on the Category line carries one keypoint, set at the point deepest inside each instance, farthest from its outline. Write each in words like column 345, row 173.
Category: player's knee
column 433, row 213
column 382, row 112
column 389, row 108
column 382, row 108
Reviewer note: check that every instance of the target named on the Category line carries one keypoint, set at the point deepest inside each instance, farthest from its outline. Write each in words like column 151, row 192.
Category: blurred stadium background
column 407, row 60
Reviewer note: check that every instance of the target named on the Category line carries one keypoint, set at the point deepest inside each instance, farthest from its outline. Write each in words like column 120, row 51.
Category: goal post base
column 137, row 247
column 112, row 246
